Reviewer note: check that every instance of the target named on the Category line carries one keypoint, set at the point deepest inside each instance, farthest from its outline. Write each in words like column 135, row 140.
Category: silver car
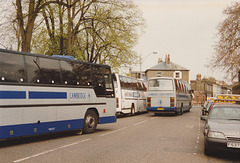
column 222, row 128
column 206, row 107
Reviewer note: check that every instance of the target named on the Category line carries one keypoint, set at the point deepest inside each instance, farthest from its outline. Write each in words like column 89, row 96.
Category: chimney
column 159, row 60
column 130, row 72
column 199, row 76
column 167, row 59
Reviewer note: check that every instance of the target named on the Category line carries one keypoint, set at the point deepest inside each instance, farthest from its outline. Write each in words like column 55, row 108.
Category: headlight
column 213, row 134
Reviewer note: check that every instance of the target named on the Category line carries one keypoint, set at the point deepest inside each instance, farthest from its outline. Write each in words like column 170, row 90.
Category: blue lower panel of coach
column 12, row 131
column 161, row 109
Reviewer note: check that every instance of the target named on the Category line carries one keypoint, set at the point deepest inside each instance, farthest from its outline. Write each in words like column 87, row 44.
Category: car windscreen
column 161, row 84
column 225, row 113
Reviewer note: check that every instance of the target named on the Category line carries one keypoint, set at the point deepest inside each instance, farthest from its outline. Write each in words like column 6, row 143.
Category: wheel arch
column 133, row 105
column 133, row 109
column 93, row 109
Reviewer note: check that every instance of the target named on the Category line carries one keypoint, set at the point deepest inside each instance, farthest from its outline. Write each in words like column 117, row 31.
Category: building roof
column 162, row 66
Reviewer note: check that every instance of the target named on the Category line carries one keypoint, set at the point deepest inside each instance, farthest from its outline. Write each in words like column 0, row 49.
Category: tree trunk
column 26, row 34
column 69, row 43
column 61, row 28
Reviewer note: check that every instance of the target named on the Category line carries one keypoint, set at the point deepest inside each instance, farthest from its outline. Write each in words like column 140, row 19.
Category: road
column 138, row 139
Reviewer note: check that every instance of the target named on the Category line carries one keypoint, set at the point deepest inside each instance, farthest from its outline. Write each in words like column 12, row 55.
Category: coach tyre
column 181, row 110
column 90, row 122
column 190, row 106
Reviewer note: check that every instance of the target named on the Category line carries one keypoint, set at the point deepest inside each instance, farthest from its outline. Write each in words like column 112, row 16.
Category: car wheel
column 207, row 151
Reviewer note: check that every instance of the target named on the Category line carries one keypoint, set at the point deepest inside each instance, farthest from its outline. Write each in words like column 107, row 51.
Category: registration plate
column 233, row 145
column 160, row 108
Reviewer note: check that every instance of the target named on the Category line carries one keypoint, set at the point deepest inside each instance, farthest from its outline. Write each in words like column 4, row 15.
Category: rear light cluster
column 117, row 102
column 171, row 101
column 149, row 102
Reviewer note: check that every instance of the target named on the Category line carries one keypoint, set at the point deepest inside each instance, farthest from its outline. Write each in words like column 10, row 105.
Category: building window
column 159, row 74
column 178, row 75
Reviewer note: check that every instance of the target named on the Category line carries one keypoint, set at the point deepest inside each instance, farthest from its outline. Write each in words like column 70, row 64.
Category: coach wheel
column 181, row 110
column 90, row 122
column 132, row 110
column 190, row 106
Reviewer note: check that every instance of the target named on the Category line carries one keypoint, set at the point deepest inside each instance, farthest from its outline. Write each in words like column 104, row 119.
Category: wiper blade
column 234, row 119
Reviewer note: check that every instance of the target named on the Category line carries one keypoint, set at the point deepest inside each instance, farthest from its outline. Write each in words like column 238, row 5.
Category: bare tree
column 99, row 31
column 26, row 17
column 26, row 27
column 227, row 49
column 103, row 31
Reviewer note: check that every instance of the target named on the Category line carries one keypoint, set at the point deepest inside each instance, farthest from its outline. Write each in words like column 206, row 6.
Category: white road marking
column 113, row 131
column 51, row 150
column 198, row 137
column 140, row 123
column 189, row 126
column 68, row 145
column 153, row 118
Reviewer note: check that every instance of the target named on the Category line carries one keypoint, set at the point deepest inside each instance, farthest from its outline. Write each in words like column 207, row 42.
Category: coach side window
column 139, row 86
column 98, row 80
column 122, row 81
column 108, row 82
column 144, row 87
column 12, row 68
column 33, row 69
column 43, row 70
column 176, row 84
column 83, row 72
column 50, row 70
column 69, row 77
column 179, row 86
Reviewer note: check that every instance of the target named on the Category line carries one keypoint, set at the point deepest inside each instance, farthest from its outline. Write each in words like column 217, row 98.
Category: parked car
column 222, row 128
column 206, row 107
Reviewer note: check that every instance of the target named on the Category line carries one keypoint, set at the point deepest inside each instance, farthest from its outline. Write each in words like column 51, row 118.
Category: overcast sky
column 185, row 29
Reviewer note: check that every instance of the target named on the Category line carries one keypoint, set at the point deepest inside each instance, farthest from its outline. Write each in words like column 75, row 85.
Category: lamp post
column 143, row 61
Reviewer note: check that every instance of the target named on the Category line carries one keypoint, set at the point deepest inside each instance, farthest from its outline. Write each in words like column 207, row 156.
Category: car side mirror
column 204, row 118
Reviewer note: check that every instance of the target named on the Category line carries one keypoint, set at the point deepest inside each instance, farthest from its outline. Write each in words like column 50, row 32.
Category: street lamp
column 143, row 61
